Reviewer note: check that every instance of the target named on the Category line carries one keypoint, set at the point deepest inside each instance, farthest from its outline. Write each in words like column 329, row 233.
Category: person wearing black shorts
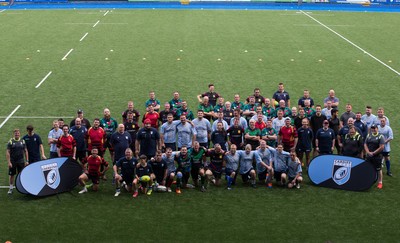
column 373, row 145
column 16, row 150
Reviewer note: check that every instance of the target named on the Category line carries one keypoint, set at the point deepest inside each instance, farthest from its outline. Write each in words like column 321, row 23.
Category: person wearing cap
column 151, row 115
column 374, row 145
column 325, row 139
column 84, row 122
column 34, row 145
column 281, row 94
column 147, row 140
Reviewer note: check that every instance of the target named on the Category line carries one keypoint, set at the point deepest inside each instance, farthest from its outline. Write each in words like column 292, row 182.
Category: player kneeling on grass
column 126, row 166
column 231, row 159
column 92, row 170
column 197, row 155
column 246, row 170
column 214, row 168
column 183, row 171
column 159, row 167
column 265, row 169
column 294, row 171
column 144, row 177
column 281, row 161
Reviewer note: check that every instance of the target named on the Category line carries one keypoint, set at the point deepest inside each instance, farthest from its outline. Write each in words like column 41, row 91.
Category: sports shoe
column 389, row 174
column 135, row 194
column 298, row 185
column 178, row 191
column 149, row 191
column 169, row 189
column 10, row 191
column 117, row 192
column 229, row 188
column 254, row 185
column 269, row 185
column 202, row 189
column 379, row 185
column 84, row 190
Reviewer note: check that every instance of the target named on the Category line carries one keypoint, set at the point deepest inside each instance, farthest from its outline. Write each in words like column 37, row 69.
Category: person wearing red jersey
column 95, row 137
column 94, row 166
column 66, row 144
column 152, row 115
column 288, row 136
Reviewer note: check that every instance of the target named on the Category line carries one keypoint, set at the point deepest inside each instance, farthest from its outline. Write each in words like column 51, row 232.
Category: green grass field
column 282, row 46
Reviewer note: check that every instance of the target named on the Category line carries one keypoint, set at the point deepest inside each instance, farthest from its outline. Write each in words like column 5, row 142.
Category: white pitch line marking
column 44, row 79
column 4, row 187
column 98, row 21
column 83, row 37
column 37, row 117
column 9, row 116
column 350, row 42
column 66, row 55
column 106, row 13
column 2, row 10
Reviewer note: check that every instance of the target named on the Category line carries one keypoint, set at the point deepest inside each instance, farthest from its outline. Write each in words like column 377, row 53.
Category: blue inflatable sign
column 49, row 177
column 342, row 172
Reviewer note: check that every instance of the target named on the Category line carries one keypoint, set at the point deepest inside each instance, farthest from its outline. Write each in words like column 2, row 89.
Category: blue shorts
column 229, row 171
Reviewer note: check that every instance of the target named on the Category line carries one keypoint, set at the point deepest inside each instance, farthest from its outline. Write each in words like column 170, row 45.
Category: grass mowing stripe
column 83, row 37
column 37, row 117
column 9, row 116
column 350, row 42
column 44, row 79
column 66, row 55
column 98, row 21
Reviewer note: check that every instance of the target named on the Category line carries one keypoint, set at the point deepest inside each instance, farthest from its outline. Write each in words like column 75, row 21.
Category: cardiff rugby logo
column 341, row 171
column 51, row 175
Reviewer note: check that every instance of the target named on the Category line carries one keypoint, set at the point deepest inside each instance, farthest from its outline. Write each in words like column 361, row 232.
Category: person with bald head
column 334, row 100
column 79, row 133
column 120, row 141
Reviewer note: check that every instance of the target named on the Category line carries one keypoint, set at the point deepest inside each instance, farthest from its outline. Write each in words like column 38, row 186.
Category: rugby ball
column 145, row 178
column 160, row 188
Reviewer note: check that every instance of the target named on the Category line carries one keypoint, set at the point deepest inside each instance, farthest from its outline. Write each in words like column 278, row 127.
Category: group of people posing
column 257, row 138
